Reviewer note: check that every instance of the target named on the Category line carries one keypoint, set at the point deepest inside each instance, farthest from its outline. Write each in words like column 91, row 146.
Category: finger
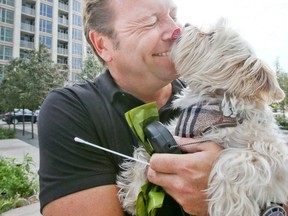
column 170, row 163
column 171, row 183
column 184, row 192
column 201, row 146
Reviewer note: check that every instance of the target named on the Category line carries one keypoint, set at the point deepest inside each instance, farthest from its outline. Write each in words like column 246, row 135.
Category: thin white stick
column 77, row 139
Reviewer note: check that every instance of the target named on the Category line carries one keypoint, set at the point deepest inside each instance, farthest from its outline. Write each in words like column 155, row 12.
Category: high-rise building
column 25, row 24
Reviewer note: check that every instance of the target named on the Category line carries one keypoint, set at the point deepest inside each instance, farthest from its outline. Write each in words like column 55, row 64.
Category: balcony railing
column 27, row 44
column 62, row 21
column 27, row 27
column 28, row 10
column 63, row 36
column 62, row 51
column 63, row 6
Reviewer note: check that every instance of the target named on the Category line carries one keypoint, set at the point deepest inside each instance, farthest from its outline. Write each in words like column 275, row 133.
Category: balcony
column 27, row 27
column 63, row 6
column 28, row 10
column 27, row 44
column 62, row 51
column 62, row 36
column 63, row 21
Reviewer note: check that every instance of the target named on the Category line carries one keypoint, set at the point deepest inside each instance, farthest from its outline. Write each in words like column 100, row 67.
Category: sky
column 263, row 23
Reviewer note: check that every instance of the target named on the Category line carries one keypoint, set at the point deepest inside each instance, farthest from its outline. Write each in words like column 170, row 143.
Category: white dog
column 227, row 101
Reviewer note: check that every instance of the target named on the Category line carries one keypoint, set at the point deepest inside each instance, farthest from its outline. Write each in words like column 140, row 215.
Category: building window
column 47, row 41
column 76, row 6
column 77, row 49
column 6, row 34
column 5, row 52
column 46, row 10
column 76, row 63
column 77, row 20
column 77, row 34
column 7, row 2
column 6, row 15
column 45, row 26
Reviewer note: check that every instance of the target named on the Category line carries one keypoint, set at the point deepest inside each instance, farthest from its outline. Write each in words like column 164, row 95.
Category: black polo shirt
column 93, row 111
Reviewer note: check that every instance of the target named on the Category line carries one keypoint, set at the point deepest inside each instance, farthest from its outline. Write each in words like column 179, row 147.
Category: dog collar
column 199, row 119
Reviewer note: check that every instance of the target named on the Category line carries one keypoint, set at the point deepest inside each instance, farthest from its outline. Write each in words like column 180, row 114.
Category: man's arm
column 98, row 201
column 286, row 208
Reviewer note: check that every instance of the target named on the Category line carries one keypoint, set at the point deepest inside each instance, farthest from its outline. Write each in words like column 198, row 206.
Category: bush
column 17, row 183
column 283, row 122
column 7, row 133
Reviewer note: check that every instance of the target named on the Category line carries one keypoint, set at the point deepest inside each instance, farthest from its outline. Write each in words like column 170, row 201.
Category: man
column 133, row 39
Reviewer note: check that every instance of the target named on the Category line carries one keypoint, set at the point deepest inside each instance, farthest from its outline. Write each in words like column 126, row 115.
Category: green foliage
column 91, row 68
column 282, row 78
column 283, row 122
column 27, row 81
column 17, row 182
column 6, row 133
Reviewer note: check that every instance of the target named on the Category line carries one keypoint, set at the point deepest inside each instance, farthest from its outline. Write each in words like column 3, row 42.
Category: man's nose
column 176, row 33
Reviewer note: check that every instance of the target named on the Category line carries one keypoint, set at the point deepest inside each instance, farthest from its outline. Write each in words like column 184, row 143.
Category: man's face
column 143, row 36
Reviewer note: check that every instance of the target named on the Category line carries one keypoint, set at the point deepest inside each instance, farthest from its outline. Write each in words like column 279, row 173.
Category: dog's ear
column 266, row 82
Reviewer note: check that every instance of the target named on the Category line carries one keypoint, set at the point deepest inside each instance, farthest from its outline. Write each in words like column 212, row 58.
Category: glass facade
column 5, row 52
column 45, row 10
column 77, row 34
column 8, row 2
column 6, row 15
column 46, row 40
column 6, row 34
column 77, row 48
column 45, row 26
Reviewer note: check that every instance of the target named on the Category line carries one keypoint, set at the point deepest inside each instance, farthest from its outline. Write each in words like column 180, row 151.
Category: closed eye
column 151, row 23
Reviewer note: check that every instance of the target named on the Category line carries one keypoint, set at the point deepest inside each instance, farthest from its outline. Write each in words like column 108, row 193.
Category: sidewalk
column 16, row 148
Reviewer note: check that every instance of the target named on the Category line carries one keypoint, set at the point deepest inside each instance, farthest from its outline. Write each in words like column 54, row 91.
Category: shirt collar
column 124, row 101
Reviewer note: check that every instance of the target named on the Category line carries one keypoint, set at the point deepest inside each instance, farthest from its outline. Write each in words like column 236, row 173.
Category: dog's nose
column 187, row 24
column 176, row 34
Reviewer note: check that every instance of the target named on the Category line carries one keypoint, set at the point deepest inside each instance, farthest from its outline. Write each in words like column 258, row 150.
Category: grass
column 6, row 133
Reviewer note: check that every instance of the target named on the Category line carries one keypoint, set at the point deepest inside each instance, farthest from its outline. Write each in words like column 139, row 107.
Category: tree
column 91, row 68
column 28, row 81
column 282, row 78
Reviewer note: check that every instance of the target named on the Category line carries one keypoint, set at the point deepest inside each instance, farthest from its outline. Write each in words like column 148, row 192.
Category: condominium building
column 25, row 24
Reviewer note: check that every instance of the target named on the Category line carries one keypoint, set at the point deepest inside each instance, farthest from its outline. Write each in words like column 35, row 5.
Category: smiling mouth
column 161, row 54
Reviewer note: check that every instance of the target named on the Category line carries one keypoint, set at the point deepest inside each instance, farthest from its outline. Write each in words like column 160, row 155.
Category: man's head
column 98, row 16
column 133, row 37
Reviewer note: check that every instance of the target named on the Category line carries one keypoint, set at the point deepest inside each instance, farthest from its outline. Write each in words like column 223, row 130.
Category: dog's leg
column 131, row 179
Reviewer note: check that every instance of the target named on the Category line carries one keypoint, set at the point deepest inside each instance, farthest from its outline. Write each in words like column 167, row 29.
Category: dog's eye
column 211, row 36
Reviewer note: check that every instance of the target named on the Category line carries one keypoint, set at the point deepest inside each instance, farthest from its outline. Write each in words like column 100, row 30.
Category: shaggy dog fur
column 221, row 69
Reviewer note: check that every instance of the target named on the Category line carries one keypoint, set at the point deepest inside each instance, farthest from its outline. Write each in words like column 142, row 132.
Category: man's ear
column 102, row 45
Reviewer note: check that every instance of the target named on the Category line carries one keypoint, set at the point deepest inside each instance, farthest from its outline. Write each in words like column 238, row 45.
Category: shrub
column 6, row 133
column 17, row 182
column 283, row 122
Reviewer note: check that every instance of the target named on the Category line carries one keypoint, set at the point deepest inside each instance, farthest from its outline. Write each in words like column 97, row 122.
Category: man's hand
column 185, row 176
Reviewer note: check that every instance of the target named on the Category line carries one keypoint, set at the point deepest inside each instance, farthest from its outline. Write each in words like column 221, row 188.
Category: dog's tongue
column 176, row 33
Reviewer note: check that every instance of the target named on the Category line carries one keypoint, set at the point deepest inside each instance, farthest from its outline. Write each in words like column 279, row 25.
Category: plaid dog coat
column 199, row 119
